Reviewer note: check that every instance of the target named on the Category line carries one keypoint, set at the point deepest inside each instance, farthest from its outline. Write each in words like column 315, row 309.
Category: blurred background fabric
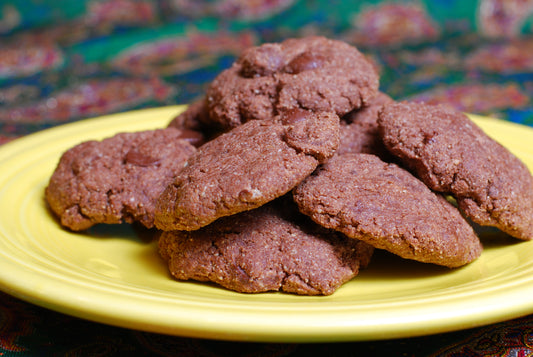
column 63, row 61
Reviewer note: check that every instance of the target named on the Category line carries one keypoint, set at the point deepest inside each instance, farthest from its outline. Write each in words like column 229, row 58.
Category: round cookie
column 313, row 73
column 246, row 168
column 452, row 155
column 387, row 207
column 359, row 129
column 117, row 179
column 262, row 250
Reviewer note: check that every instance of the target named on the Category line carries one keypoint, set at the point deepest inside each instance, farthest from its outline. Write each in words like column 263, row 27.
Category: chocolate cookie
column 359, row 129
column 261, row 250
column 311, row 73
column 387, row 207
column 191, row 123
column 192, row 117
column 452, row 155
column 117, row 179
column 247, row 167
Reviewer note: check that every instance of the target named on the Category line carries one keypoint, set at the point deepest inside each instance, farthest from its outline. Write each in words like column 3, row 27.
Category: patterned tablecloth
column 63, row 61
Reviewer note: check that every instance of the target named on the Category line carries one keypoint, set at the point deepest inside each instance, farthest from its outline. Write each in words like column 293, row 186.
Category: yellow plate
column 114, row 277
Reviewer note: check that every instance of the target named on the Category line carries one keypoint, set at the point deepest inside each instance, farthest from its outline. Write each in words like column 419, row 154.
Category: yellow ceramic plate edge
column 30, row 270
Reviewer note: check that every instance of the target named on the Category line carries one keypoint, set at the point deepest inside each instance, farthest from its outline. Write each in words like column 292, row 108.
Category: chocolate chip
column 193, row 137
column 293, row 116
column 263, row 61
column 136, row 158
column 429, row 137
column 304, row 62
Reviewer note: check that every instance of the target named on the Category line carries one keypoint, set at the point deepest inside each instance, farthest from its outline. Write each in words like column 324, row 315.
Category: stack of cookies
column 292, row 169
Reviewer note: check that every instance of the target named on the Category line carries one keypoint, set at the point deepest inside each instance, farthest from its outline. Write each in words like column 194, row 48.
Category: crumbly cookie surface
column 191, row 123
column 452, row 155
column 247, row 167
column 192, row 117
column 311, row 73
column 387, row 207
column 117, row 179
column 262, row 250
column 359, row 129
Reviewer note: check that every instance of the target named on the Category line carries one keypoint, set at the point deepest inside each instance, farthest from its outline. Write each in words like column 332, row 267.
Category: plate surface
column 113, row 276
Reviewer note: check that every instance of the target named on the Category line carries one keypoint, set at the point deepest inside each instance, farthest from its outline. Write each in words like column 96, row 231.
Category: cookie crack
column 289, row 275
